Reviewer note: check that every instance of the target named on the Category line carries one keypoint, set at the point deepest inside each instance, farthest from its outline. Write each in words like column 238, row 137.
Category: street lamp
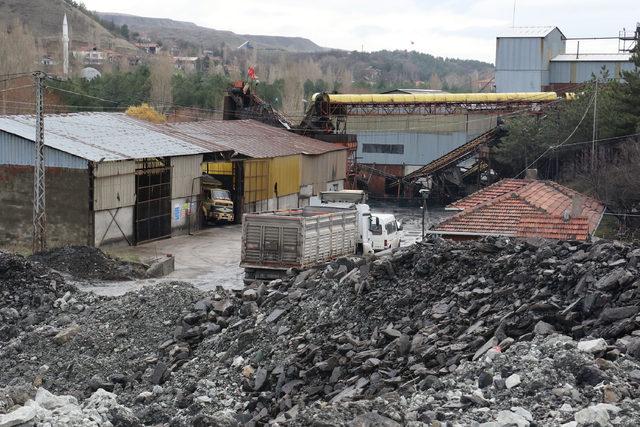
column 424, row 193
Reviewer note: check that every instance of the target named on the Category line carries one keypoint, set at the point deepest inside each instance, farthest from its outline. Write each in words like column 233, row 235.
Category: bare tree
column 161, row 69
column 18, row 54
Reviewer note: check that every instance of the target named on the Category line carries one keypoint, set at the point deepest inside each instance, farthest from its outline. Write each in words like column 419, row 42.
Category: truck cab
column 217, row 205
column 354, row 200
column 386, row 232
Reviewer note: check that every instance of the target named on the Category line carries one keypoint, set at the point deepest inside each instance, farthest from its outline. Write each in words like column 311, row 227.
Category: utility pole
column 39, row 196
column 593, row 136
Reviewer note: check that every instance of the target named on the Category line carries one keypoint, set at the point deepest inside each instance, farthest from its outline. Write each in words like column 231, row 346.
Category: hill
column 187, row 35
column 43, row 18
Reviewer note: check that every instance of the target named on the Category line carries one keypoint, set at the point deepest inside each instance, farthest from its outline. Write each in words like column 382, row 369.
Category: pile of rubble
column 28, row 294
column 498, row 332
column 359, row 330
column 46, row 409
column 89, row 263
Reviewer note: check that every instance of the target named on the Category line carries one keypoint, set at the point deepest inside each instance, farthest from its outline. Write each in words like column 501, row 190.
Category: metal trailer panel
column 329, row 236
column 288, row 239
column 15, row 150
column 184, row 173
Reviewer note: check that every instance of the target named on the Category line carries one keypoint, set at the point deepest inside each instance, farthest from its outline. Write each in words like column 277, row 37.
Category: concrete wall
column 67, row 206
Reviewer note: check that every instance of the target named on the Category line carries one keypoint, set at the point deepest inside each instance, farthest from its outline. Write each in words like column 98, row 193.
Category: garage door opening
column 153, row 199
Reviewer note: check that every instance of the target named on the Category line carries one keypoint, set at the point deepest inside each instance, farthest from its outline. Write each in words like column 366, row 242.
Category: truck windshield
column 220, row 194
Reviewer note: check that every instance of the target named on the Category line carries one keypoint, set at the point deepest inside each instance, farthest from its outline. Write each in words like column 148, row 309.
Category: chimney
column 577, row 203
column 531, row 174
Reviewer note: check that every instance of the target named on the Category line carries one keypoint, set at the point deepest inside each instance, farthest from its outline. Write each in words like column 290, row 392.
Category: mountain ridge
column 174, row 32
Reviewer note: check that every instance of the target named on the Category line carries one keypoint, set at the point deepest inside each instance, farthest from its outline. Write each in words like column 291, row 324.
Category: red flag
column 252, row 73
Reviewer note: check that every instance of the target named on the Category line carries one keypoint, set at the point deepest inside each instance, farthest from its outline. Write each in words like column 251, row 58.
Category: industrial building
column 399, row 133
column 269, row 168
column 534, row 59
column 112, row 179
column 109, row 178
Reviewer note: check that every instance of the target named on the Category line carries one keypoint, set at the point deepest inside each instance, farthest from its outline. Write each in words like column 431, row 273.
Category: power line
column 16, row 88
column 562, row 143
column 613, row 139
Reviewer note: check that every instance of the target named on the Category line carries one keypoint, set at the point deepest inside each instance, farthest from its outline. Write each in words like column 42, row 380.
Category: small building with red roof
column 525, row 208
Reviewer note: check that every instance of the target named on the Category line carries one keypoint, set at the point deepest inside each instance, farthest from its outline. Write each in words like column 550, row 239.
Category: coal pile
column 97, row 342
column 359, row 331
column 495, row 332
column 28, row 293
column 89, row 263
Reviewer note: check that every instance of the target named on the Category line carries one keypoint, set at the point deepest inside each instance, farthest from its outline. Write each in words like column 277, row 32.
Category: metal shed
column 110, row 178
column 273, row 168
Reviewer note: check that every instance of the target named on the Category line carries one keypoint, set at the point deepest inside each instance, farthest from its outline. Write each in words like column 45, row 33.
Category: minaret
column 65, row 47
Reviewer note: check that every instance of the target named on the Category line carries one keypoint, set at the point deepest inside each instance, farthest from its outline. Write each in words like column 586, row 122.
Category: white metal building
column 523, row 55
column 532, row 59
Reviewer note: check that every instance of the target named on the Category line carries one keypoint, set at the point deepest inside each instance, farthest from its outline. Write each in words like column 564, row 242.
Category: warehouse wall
column 67, row 205
column 285, row 171
column 319, row 170
column 113, row 201
column 19, row 151
column 185, row 190
column 582, row 71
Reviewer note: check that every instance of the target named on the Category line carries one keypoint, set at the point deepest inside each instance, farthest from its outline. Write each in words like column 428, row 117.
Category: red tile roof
column 489, row 193
column 525, row 208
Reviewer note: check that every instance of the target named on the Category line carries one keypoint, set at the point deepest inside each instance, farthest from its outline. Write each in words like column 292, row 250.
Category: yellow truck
column 217, row 205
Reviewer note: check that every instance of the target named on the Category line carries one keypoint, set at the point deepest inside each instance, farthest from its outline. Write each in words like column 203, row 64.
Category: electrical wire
column 16, row 88
column 613, row 138
column 563, row 142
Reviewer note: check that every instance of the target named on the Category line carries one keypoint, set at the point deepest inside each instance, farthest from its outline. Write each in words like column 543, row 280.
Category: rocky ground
column 491, row 333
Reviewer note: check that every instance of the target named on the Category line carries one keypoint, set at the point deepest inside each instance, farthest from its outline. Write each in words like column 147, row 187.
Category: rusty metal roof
column 103, row 136
column 525, row 208
column 249, row 138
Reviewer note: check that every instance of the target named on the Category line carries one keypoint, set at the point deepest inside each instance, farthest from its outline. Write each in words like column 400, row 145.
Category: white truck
column 336, row 224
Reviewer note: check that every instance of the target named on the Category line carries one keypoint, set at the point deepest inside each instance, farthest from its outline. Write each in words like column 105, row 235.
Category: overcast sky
column 451, row 28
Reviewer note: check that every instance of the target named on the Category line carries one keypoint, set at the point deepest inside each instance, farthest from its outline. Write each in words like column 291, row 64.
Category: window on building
column 383, row 148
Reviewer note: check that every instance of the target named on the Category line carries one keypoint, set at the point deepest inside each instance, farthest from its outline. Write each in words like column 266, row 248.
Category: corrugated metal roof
column 527, row 32
column 97, row 136
column 593, row 57
column 250, row 138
